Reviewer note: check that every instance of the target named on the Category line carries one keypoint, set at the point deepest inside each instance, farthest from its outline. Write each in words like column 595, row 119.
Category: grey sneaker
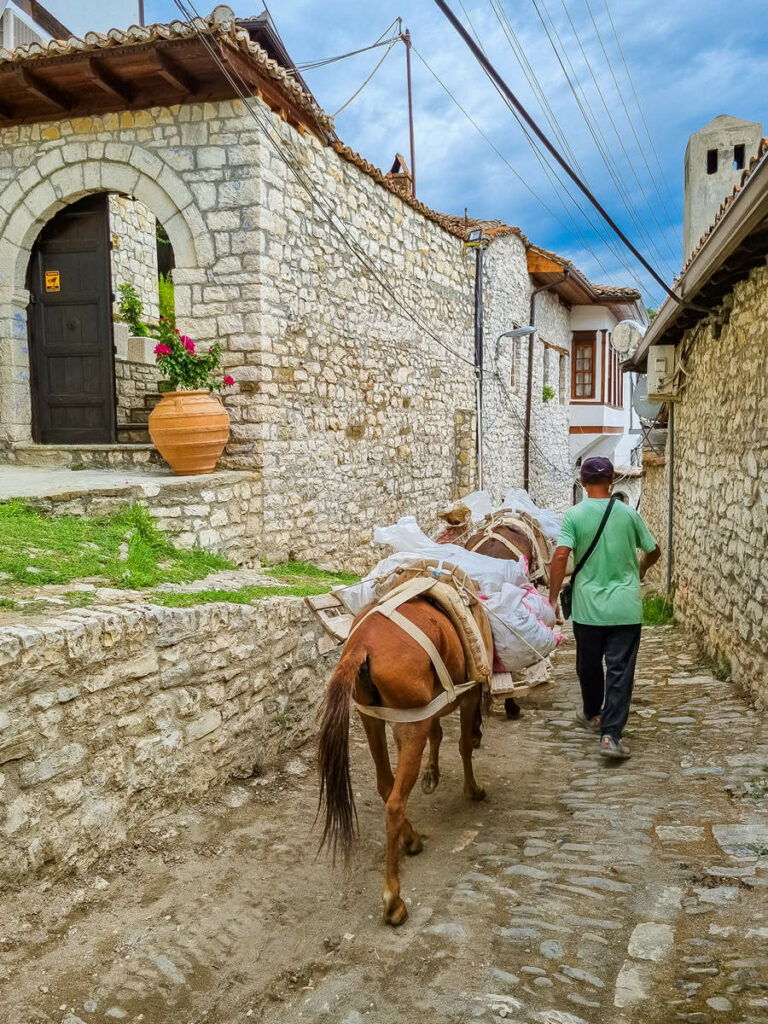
column 593, row 724
column 617, row 749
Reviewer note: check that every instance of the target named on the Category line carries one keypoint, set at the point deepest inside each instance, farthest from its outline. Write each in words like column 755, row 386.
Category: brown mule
column 382, row 665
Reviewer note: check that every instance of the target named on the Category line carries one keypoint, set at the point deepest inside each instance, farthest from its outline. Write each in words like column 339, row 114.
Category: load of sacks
column 521, row 619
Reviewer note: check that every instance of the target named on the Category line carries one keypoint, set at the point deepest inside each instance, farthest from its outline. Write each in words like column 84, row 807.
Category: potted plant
column 189, row 426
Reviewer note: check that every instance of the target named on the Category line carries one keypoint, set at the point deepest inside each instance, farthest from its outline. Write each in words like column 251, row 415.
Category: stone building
column 717, row 445
column 345, row 307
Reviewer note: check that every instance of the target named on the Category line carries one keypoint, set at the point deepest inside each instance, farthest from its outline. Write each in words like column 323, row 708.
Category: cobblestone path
column 580, row 892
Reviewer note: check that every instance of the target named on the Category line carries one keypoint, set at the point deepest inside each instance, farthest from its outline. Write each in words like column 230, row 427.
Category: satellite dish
column 645, row 410
column 626, row 336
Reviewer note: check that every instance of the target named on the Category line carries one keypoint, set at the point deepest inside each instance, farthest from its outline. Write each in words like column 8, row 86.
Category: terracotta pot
column 189, row 429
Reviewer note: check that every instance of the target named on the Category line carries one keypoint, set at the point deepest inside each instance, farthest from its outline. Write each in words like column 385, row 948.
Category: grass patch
column 298, row 572
column 245, row 595
column 658, row 611
column 125, row 549
column 8, row 603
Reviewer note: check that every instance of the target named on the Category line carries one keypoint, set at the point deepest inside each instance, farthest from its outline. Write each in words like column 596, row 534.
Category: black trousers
column 607, row 693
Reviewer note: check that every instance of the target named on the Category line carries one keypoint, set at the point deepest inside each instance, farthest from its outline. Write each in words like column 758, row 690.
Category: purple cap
column 596, row 469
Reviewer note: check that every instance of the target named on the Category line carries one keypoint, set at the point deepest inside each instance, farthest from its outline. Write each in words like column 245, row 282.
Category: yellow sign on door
column 52, row 281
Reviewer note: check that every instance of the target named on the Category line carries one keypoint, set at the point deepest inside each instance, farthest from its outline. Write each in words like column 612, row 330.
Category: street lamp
column 517, row 332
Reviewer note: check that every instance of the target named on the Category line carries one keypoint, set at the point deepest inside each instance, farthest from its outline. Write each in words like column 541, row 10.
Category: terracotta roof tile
column 605, row 291
column 221, row 23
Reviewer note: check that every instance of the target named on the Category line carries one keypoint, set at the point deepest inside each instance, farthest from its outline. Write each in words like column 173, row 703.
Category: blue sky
column 689, row 60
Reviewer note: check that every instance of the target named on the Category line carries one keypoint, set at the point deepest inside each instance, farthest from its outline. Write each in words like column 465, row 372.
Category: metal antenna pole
column 406, row 38
column 141, row 13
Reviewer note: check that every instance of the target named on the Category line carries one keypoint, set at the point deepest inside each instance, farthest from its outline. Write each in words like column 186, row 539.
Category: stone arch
column 61, row 175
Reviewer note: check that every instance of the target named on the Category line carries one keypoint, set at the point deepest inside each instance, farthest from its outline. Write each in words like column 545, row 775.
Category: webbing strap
column 421, row 638
column 492, row 535
column 415, row 714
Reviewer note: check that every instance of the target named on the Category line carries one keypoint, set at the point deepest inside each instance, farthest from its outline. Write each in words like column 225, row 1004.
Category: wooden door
column 71, row 346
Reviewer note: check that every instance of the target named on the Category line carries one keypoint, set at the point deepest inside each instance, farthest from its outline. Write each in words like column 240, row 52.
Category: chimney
column 715, row 159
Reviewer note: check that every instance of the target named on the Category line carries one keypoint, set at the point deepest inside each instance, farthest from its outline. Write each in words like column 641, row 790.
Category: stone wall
column 220, row 512
column 132, row 229
column 352, row 412
column 720, row 560
column 654, row 505
column 507, row 305
column 111, row 715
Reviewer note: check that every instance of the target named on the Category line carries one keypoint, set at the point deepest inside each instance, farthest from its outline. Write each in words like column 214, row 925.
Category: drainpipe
column 529, row 386
column 479, row 360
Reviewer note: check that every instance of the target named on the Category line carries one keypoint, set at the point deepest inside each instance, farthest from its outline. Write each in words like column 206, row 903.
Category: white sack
column 490, row 573
column 517, row 498
column 520, row 638
column 479, row 505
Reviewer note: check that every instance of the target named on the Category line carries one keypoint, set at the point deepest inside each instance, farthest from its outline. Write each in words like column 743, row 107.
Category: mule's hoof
column 396, row 914
column 478, row 793
column 429, row 780
column 512, row 708
column 414, row 845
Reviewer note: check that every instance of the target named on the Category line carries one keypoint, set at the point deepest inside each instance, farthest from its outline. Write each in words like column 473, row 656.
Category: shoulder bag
column 566, row 594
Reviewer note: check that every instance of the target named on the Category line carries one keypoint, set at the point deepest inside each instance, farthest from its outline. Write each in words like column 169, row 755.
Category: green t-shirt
column 606, row 592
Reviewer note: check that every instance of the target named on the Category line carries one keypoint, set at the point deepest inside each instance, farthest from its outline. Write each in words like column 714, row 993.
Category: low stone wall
column 109, row 715
column 220, row 512
column 654, row 503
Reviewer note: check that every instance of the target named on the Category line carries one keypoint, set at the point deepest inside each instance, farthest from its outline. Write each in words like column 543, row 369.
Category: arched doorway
column 71, row 350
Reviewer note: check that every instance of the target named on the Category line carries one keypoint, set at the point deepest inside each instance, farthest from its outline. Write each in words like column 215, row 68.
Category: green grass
column 245, row 595
column 297, row 572
column 166, row 297
column 8, row 603
column 658, row 611
column 124, row 549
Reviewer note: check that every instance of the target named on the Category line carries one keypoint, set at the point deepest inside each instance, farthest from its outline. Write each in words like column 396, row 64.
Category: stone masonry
column 348, row 409
column 721, row 484
column 108, row 715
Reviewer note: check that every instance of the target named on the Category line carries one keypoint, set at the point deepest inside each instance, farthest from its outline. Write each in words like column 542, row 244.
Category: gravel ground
column 579, row 892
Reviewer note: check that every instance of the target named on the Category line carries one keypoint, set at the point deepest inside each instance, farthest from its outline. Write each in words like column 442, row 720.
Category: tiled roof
column 221, row 24
column 726, row 203
column 607, row 292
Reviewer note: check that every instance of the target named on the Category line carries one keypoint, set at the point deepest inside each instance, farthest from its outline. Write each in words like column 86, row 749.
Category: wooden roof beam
column 44, row 90
column 169, row 70
column 102, row 77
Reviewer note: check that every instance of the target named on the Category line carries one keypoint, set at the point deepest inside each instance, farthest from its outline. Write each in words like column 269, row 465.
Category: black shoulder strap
column 595, row 539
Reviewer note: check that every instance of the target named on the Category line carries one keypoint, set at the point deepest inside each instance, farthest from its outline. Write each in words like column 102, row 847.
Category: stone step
column 94, row 456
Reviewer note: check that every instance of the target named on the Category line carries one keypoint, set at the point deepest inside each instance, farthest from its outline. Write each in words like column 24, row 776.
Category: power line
column 357, row 92
column 311, row 65
column 621, row 189
column 328, row 215
column 550, row 172
column 639, row 105
column 624, row 105
column 491, row 71
column 532, row 79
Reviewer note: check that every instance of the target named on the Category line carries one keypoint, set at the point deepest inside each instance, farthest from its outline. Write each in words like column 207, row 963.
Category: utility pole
column 479, row 359
column 141, row 13
column 406, row 38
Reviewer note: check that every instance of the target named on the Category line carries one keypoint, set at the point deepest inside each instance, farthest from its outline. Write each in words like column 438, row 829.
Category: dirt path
column 578, row 892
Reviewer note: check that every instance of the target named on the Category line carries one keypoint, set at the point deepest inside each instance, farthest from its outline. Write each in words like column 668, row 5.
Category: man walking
column 607, row 609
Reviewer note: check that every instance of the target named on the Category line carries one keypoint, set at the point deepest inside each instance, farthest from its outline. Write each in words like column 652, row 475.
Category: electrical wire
column 357, row 92
column 630, row 162
column 306, row 184
column 639, row 105
column 550, row 172
column 621, row 97
column 311, row 65
column 597, row 134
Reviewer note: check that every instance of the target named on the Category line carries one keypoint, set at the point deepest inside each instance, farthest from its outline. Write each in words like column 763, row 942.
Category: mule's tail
column 337, row 800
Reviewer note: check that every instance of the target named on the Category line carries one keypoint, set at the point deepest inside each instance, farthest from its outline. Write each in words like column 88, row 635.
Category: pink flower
column 188, row 344
column 162, row 350
column 229, row 381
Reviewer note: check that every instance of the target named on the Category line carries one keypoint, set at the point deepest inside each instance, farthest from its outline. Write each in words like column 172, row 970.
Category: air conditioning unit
column 662, row 385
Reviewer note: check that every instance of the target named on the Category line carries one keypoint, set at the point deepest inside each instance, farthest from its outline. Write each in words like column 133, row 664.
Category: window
column 614, row 391
column 738, row 157
column 583, row 382
column 711, row 161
